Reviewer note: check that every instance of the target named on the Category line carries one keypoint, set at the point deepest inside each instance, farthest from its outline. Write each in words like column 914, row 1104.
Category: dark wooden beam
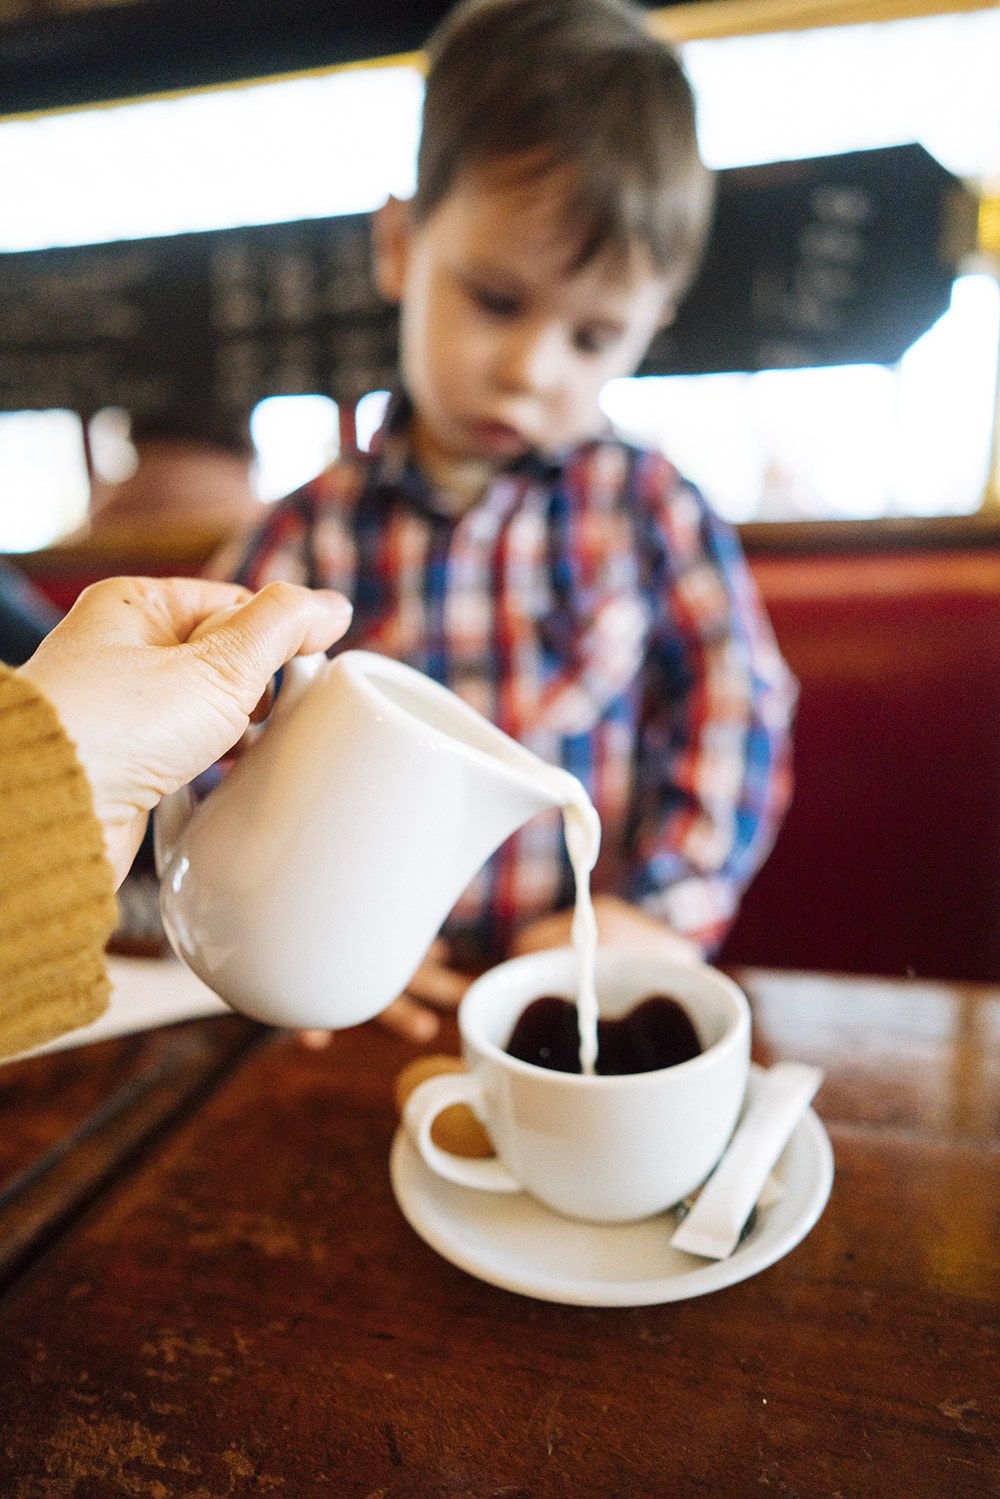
column 153, row 46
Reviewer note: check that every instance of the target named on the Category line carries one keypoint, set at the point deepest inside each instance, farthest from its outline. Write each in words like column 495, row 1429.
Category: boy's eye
column 495, row 303
column 595, row 340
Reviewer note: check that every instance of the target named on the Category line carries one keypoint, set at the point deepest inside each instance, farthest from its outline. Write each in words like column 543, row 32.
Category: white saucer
column 516, row 1243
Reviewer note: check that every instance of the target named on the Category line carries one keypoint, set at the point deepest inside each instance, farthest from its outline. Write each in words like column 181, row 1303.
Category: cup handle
column 423, row 1106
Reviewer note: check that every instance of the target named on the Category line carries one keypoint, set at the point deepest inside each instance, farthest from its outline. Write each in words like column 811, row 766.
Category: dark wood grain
column 72, row 1121
column 249, row 1314
column 898, row 1054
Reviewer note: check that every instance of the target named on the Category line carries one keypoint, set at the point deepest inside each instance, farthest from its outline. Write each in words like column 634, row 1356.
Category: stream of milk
column 583, row 840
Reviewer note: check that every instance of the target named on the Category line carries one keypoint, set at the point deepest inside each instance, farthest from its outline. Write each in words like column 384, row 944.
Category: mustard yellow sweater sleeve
column 57, row 904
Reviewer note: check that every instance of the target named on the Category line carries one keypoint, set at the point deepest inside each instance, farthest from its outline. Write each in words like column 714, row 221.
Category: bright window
column 790, row 94
column 295, row 437
column 368, row 416
column 301, row 148
column 843, row 442
column 44, row 490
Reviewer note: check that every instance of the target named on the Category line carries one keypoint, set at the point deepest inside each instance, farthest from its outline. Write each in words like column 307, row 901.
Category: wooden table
column 209, row 1290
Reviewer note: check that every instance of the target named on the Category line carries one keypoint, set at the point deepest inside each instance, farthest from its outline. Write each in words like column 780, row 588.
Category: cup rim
column 732, row 1038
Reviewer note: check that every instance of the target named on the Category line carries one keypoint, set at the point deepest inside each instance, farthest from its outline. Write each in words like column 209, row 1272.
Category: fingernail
column 336, row 604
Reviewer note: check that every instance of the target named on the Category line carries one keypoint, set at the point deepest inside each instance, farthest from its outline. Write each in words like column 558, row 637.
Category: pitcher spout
column 521, row 785
column 511, row 776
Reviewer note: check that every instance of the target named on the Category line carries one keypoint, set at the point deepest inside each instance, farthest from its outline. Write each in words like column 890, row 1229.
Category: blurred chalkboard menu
column 212, row 321
column 834, row 260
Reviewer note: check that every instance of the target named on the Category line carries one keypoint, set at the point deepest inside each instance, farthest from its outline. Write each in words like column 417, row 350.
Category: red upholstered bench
column 889, row 861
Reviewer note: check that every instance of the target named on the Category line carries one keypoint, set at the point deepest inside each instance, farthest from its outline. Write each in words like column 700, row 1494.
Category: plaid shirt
column 597, row 611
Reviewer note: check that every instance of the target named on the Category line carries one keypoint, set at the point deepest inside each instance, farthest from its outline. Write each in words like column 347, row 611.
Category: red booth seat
column 889, row 860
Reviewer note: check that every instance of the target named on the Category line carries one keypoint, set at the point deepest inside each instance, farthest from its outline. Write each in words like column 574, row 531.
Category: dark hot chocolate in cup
column 657, row 1032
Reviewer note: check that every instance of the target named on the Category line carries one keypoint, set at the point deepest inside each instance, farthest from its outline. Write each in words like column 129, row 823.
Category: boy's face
column 505, row 349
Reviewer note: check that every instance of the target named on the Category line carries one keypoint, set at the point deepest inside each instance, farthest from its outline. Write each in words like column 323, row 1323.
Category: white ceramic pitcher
column 306, row 888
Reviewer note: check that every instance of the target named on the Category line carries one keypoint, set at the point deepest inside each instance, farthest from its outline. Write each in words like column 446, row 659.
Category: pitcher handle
column 174, row 810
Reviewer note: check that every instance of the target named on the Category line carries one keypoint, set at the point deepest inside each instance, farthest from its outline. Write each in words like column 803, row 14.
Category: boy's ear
column 390, row 245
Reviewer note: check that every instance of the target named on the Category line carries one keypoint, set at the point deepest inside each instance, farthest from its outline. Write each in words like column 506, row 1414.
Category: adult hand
column 619, row 924
column 148, row 706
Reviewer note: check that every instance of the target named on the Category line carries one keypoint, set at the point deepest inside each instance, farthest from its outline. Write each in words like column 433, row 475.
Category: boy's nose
column 529, row 361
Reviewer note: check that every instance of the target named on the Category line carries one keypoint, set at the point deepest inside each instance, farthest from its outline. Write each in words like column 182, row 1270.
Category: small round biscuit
column 456, row 1129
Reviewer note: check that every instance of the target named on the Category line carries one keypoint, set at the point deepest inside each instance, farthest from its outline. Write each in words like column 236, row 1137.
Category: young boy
column 500, row 538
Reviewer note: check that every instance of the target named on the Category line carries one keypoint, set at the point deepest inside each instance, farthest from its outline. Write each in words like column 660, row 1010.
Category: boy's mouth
column 498, row 439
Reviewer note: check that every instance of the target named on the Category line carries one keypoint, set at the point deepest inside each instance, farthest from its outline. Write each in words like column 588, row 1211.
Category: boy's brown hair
column 580, row 89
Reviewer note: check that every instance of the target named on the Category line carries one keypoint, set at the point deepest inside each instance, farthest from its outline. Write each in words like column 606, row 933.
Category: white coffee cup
column 608, row 1149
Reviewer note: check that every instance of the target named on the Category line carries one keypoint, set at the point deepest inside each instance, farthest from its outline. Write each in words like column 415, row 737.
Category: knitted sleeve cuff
column 57, row 902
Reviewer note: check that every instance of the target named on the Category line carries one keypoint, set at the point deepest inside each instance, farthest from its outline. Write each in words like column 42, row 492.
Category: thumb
column 249, row 642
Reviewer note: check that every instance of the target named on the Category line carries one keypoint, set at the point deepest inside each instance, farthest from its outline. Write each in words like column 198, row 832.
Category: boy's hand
column 619, row 924
column 434, row 986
